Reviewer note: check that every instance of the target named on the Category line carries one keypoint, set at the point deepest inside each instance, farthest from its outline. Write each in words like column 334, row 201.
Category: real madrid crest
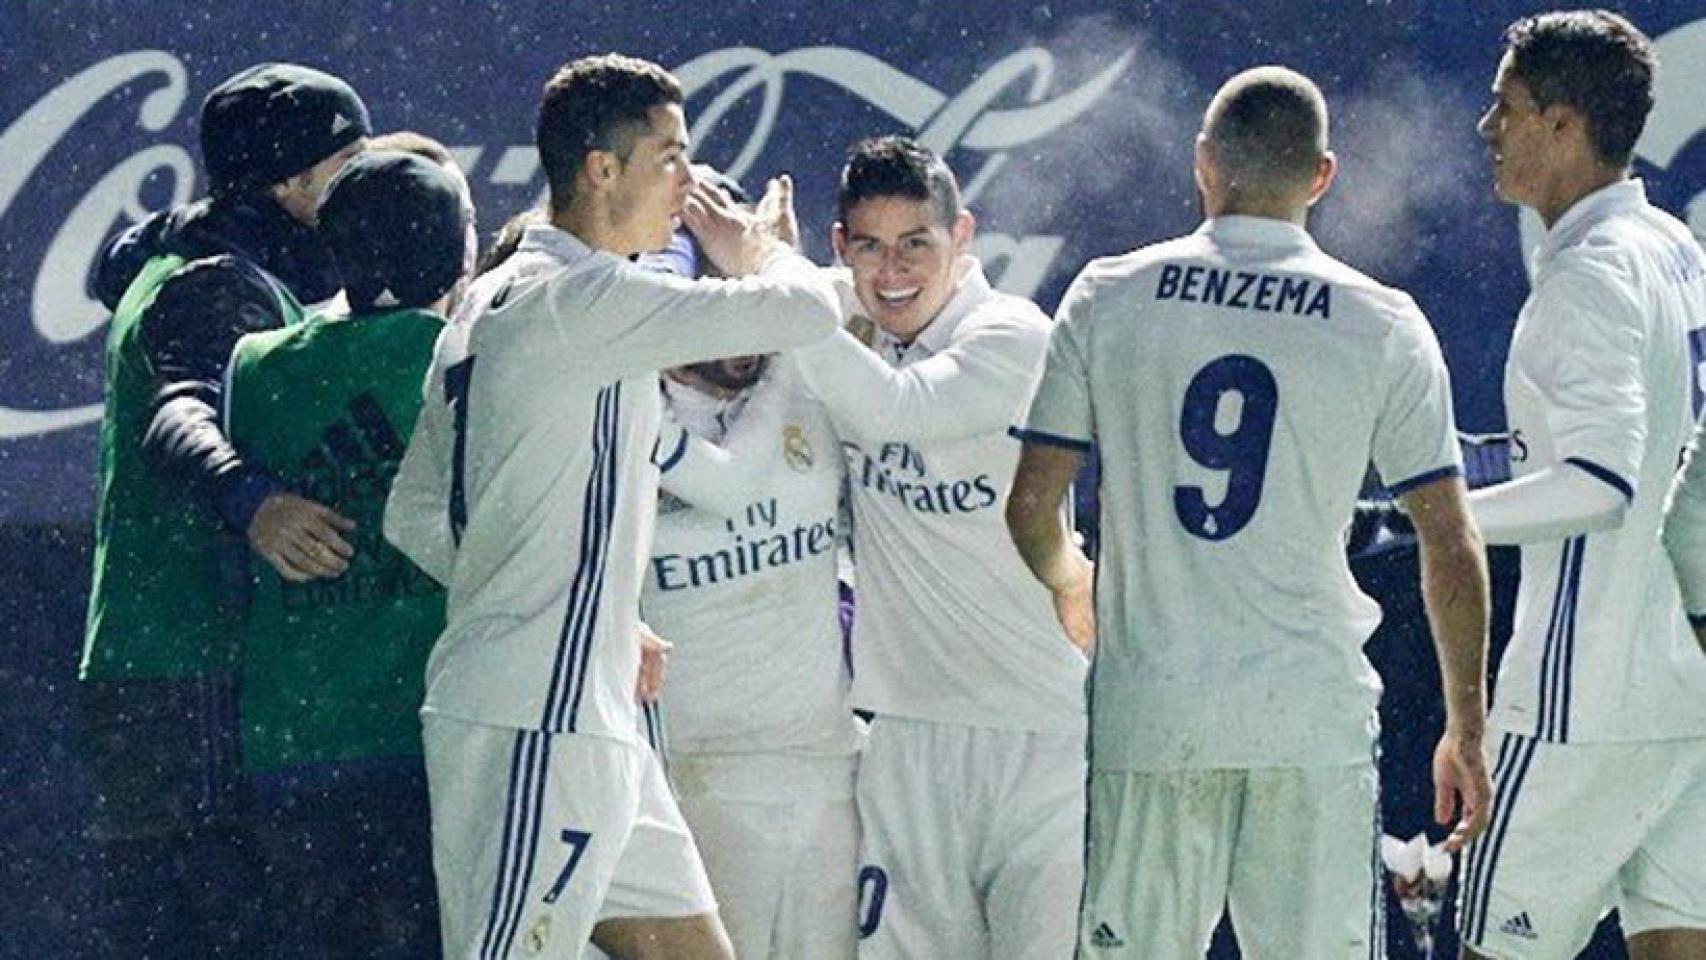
column 534, row 940
column 796, row 450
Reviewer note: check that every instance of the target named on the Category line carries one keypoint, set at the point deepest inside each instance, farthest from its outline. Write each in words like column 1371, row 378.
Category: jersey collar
column 1245, row 231
column 560, row 244
column 1602, row 204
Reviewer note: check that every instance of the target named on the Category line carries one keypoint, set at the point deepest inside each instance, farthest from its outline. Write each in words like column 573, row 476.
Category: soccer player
column 332, row 669
column 1601, row 697
column 970, row 789
column 160, row 653
column 754, row 720
column 1233, row 714
column 528, row 486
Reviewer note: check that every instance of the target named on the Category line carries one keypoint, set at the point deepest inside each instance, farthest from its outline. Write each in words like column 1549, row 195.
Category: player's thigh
column 660, row 873
column 1663, row 886
column 1032, row 862
column 1158, row 862
column 818, row 915
column 699, row 937
column 1565, row 819
column 917, row 898
column 528, row 828
column 1303, row 870
column 745, row 859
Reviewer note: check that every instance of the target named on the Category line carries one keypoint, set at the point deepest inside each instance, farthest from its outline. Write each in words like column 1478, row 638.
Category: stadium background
column 1069, row 123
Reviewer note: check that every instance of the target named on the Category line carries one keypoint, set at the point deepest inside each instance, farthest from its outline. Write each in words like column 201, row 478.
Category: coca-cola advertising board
column 1070, row 125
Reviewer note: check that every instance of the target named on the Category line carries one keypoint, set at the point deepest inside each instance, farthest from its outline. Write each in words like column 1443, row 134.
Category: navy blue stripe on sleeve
column 1049, row 440
column 1422, row 479
column 675, row 456
column 1598, row 472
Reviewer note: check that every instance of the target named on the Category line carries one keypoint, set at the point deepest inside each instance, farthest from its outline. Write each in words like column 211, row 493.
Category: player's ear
column 964, row 227
column 600, row 168
column 1202, row 165
column 1326, row 169
column 838, row 240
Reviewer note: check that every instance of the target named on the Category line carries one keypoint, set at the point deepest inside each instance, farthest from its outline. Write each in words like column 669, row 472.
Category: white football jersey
column 1237, row 382
column 529, row 482
column 1604, row 374
column 750, row 600
column 950, row 626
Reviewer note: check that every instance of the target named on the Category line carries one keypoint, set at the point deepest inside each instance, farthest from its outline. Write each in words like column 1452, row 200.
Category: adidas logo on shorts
column 1105, row 938
column 1519, row 926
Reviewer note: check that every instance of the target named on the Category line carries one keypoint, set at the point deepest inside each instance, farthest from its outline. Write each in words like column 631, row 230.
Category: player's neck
column 1283, row 210
column 593, row 226
column 1572, row 187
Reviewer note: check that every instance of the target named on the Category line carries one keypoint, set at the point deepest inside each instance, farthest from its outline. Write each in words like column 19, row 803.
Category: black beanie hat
column 273, row 121
column 397, row 229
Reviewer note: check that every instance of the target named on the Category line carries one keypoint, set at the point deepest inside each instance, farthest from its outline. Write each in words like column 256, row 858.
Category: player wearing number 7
column 1238, row 381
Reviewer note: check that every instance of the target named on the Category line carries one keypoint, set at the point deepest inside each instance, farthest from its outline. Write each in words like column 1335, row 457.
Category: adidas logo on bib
column 1519, row 926
column 1104, row 937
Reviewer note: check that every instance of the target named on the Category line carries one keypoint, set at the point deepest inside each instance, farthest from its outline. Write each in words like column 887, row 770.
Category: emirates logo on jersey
column 796, row 449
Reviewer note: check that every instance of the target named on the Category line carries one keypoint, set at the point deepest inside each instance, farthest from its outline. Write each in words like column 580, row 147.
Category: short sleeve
column 1060, row 413
column 1415, row 439
column 1589, row 373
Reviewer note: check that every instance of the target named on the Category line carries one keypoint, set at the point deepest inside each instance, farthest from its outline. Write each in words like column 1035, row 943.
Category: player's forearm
column 962, row 393
column 184, row 441
column 1040, row 534
column 1454, row 589
column 1555, row 503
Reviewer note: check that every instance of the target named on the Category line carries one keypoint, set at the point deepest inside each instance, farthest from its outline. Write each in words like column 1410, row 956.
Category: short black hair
column 596, row 103
column 898, row 167
column 1268, row 126
column 1594, row 62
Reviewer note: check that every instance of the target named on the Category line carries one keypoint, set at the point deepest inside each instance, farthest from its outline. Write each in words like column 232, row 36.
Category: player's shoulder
column 1369, row 298
column 1133, row 267
column 214, row 293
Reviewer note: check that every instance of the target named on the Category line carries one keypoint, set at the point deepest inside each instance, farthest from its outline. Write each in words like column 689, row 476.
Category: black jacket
column 241, row 248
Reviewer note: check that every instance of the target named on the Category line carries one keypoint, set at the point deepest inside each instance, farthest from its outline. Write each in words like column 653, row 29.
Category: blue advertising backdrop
column 1070, row 125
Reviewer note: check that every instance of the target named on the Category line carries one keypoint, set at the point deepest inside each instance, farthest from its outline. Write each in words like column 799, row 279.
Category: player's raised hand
column 737, row 240
column 776, row 210
column 301, row 539
column 1461, row 785
column 654, row 656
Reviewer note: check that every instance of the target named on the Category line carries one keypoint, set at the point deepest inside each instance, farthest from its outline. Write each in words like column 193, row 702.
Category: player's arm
column 188, row 334
column 1454, row 591
column 417, row 511
column 1057, row 429
column 704, row 474
column 649, row 321
column 971, row 388
column 1685, row 536
column 1037, row 523
column 1589, row 375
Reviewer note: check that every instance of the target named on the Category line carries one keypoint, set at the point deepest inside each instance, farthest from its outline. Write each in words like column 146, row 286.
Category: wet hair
column 1268, row 127
column 1594, row 62
column 596, row 103
column 898, row 167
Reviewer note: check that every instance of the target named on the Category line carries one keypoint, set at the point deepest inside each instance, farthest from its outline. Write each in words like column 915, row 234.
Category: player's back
column 1241, row 381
